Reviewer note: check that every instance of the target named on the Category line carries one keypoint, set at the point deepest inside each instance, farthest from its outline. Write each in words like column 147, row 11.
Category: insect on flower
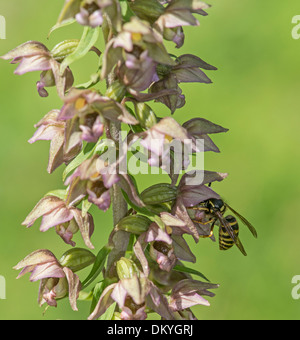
column 214, row 210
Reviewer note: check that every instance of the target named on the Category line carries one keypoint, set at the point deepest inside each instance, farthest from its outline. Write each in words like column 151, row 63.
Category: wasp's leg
column 211, row 232
column 204, row 223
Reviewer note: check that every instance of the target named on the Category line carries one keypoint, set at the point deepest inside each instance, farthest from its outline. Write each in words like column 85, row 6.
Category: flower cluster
column 141, row 269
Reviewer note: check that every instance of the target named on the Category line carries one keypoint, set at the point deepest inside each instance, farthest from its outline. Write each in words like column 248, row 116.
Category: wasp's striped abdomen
column 225, row 241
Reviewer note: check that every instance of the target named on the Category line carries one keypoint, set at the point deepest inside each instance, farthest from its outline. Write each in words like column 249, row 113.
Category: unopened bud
column 159, row 193
column 116, row 91
column 149, row 10
column 126, row 268
column 145, row 115
column 64, row 49
column 136, row 224
column 77, row 259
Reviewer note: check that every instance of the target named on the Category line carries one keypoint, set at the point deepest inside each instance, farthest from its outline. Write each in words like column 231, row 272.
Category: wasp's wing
column 240, row 246
column 230, row 232
column 247, row 223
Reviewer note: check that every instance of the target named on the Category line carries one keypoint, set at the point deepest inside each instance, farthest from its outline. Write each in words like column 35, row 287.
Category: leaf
column 95, row 78
column 85, row 296
column 127, row 13
column 184, row 269
column 70, row 9
column 86, row 205
column 141, row 210
column 109, row 312
column 87, row 41
column 98, row 266
column 65, row 23
column 96, row 293
column 60, row 193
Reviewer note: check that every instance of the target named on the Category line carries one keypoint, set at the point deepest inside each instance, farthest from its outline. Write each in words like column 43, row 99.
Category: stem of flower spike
column 120, row 238
column 118, row 202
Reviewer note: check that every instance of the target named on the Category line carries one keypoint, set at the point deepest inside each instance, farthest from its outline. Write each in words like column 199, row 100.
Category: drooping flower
column 79, row 103
column 67, row 220
column 56, row 281
column 158, row 139
column 188, row 293
column 138, row 73
column 180, row 13
column 91, row 12
column 88, row 180
column 191, row 137
column 133, row 293
column 165, row 247
column 50, row 128
column 136, row 37
column 34, row 56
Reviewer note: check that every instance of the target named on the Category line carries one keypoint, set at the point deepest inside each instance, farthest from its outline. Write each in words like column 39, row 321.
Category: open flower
column 34, row 56
column 138, row 73
column 88, row 180
column 188, row 293
column 137, row 36
column 90, row 12
column 133, row 293
column 191, row 137
column 166, row 248
column 90, row 15
column 56, row 281
column 158, row 140
column 180, row 13
column 50, row 128
column 67, row 220
column 79, row 103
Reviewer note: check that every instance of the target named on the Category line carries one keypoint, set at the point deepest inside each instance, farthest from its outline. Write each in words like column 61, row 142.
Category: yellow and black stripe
column 225, row 241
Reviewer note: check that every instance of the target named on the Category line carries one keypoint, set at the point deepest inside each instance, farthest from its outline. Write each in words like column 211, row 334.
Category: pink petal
column 58, row 216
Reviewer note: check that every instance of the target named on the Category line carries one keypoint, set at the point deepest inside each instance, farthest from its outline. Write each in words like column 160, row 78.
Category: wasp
column 214, row 210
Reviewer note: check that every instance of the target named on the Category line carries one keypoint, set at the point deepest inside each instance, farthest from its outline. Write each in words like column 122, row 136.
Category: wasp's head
column 216, row 205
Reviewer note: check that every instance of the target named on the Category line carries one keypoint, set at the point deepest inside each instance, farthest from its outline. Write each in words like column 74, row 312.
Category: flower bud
column 77, row 259
column 149, row 10
column 116, row 91
column 64, row 49
column 126, row 269
column 136, row 224
column 145, row 115
column 159, row 193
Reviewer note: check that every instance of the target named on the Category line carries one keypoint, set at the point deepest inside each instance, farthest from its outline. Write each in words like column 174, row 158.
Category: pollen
column 168, row 138
column 80, row 103
column 136, row 37
column 169, row 230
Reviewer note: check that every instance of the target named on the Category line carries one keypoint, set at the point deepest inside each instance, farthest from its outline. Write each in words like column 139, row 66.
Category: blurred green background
column 255, row 94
